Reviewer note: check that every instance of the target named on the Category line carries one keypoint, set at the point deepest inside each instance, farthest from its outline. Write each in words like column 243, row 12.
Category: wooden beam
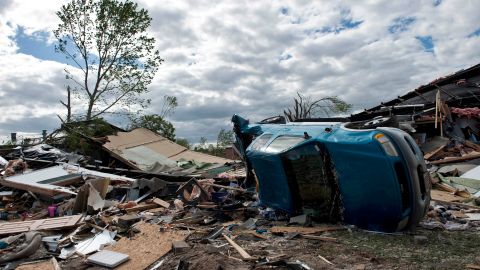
column 325, row 260
column 239, row 249
column 429, row 155
column 141, row 207
column 456, row 159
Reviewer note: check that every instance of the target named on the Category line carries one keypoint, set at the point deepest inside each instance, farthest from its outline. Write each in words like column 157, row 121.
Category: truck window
column 261, row 141
column 283, row 142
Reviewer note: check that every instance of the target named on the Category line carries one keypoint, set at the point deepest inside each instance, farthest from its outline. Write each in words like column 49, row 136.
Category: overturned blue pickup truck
column 373, row 178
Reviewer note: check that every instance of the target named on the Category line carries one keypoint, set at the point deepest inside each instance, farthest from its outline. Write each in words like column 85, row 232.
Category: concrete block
column 108, row 258
column 180, row 247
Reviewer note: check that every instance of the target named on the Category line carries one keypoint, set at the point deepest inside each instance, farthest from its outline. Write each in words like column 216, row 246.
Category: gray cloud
column 30, row 124
column 250, row 58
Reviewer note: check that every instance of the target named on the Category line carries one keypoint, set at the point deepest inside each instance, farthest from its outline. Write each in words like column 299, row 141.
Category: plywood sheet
column 147, row 246
column 39, row 225
column 135, row 137
column 167, row 148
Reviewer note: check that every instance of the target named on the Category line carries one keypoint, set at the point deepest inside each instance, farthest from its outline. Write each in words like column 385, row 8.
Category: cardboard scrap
column 146, row 247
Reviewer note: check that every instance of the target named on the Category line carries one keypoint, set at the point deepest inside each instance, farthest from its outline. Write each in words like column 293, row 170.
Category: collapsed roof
column 461, row 89
column 145, row 150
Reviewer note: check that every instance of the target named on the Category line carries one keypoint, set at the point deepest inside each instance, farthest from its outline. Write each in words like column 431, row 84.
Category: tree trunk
column 69, row 107
column 90, row 108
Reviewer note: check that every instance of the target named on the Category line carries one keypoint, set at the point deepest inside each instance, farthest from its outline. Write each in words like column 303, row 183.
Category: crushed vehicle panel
column 374, row 178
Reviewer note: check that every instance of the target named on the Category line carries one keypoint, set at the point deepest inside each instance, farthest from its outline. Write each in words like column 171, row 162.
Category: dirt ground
column 354, row 250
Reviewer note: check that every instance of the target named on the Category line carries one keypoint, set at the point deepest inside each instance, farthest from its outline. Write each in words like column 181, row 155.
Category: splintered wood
column 147, row 246
column 304, row 230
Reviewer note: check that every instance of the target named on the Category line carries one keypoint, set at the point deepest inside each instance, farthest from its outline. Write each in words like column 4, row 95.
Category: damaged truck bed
column 375, row 179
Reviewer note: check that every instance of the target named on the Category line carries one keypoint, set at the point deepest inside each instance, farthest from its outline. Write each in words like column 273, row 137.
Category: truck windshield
column 261, row 141
column 283, row 142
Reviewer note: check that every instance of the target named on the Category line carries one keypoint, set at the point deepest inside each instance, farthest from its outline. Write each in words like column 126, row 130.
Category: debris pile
column 62, row 209
column 67, row 216
column 444, row 118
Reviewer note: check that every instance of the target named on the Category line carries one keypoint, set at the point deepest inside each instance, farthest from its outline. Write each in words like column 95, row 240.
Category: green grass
column 443, row 250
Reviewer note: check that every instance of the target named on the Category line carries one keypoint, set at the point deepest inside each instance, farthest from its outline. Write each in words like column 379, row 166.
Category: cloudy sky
column 249, row 57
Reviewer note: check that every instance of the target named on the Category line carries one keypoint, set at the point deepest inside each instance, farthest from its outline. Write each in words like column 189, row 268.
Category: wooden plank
column 429, row 155
column 472, row 145
column 473, row 266
column 157, row 210
column 141, row 207
column 238, row 248
column 325, row 260
column 161, row 202
column 254, row 233
column 39, row 225
column 455, row 159
column 305, row 230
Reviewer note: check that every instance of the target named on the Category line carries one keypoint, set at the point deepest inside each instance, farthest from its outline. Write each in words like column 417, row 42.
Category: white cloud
column 250, row 57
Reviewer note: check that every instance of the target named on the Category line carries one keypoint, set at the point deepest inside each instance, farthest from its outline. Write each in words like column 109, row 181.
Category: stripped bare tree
column 306, row 107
